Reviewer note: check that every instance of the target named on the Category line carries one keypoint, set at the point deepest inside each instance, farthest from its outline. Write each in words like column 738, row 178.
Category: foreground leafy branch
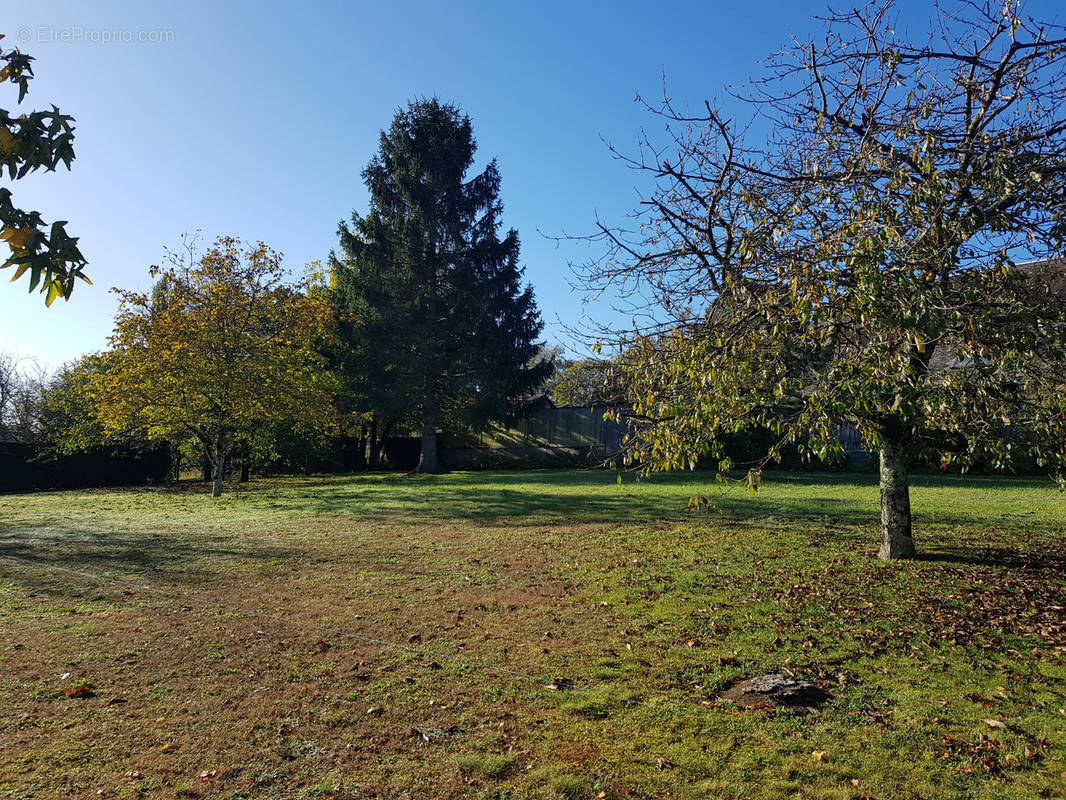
column 29, row 142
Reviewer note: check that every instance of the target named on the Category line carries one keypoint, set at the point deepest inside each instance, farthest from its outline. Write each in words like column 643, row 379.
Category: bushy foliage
column 221, row 347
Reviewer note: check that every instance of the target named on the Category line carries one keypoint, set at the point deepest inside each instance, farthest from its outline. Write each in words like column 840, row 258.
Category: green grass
column 647, row 609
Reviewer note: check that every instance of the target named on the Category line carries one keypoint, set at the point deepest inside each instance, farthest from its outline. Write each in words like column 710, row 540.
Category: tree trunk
column 379, row 457
column 246, row 462
column 218, row 468
column 428, row 462
column 895, row 506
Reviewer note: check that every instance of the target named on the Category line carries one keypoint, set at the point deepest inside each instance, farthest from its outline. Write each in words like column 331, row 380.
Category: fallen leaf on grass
column 818, row 755
column 993, row 723
column 664, row 763
column 81, row 690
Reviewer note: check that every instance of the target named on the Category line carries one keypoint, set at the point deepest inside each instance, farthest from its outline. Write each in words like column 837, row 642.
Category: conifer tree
column 437, row 314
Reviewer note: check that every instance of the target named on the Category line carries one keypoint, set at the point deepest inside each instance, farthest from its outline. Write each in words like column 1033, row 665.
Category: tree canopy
column 220, row 347
column 590, row 381
column 28, row 142
column 438, row 320
column 848, row 251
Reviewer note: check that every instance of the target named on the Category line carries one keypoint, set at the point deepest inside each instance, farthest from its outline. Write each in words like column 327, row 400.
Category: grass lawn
column 214, row 671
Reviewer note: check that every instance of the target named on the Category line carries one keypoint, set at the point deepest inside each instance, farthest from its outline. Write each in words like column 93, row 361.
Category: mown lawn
column 218, row 667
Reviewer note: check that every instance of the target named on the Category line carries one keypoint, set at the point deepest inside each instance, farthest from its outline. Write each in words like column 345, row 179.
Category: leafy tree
column 71, row 443
column 22, row 383
column 218, row 349
column 587, row 382
column 849, row 253
column 438, row 320
column 29, row 142
column 66, row 409
column 10, row 382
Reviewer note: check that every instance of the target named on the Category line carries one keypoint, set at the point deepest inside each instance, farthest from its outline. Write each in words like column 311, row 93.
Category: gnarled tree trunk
column 895, row 506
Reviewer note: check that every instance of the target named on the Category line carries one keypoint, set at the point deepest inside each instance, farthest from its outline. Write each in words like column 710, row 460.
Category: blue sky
column 256, row 119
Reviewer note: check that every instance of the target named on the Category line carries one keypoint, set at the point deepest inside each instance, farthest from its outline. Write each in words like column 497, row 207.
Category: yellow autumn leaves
column 8, row 143
column 16, row 237
column 221, row 347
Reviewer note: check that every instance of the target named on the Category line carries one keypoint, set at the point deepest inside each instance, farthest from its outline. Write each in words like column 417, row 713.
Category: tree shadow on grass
column 1045, row 563
column 31, row 553
column 503, row 503
column 595, row 497
column 835, row 508
column 958, row 519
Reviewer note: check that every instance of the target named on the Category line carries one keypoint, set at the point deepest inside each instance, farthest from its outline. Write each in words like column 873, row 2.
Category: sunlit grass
column 648, row 610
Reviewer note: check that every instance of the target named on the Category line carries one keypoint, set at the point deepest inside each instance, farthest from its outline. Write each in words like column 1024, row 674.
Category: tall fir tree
column 440, row 325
